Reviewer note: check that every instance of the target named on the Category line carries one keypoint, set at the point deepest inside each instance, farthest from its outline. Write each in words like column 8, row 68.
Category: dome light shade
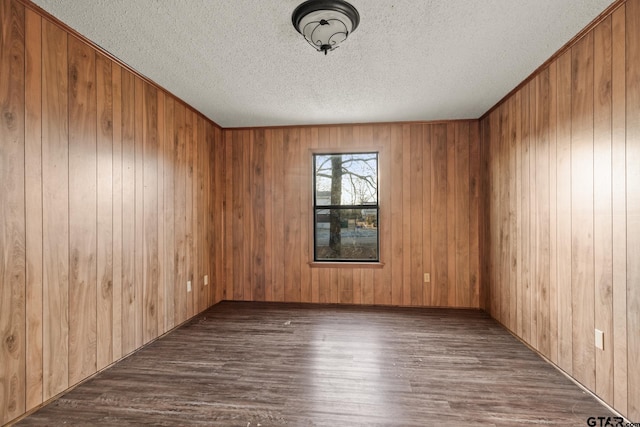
column 325, row 23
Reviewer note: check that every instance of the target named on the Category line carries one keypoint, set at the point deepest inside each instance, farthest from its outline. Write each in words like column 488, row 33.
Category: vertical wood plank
column 55, row 204
column 513, row 213
column 451, row 214
column 619, row 211
column 104, row 125
column 416, row 211
column 160, row 273
column 117, row 290
column 33, row 207
column 396, row 176
column 247, row 142
column 169, row 177
column 150, row 212
column 315, row 136
column 439, row 276
column 518, row 282
column 191, row 221
column 268, row 216
column 493, row 190
column 426, row 217
column 503, row 268
column 563, row 220
column 602, row 194
column 138, row 126
column 462, row 216
column 534, row 136
column 306, row 234
column 12, row 212
column 82, row 211
column 553, row 214
column 292, row 222
column 406, row 210
column 633, row 205
column 238, row 217
column 525, row 217
column 128, row 213
column 384, row 279
column 582, row 260
column 201, row 210
column 258, row 215
column 475, row 221
column 220, row 217
column 180, row 214
column 229, row 217
column 542, row 241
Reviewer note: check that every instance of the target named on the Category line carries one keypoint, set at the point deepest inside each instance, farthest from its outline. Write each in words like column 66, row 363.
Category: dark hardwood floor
column 260, row 364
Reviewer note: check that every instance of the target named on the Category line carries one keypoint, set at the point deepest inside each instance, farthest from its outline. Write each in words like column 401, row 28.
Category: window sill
column 321, row 264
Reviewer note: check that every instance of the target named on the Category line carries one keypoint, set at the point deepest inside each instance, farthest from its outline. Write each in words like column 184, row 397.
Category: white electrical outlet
column 188, row 285
column 427, row 277
column 206, row 279
column 599, row 339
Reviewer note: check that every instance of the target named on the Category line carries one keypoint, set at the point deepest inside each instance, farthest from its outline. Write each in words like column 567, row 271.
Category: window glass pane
column 346, row 179
column 346, row 234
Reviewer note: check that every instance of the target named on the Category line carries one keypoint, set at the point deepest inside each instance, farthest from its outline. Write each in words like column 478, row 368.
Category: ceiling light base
column 325, row 23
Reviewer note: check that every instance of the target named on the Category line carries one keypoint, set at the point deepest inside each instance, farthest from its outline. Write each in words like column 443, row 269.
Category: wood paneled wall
column 429, row 215
column 562, row 159
column 107, row 208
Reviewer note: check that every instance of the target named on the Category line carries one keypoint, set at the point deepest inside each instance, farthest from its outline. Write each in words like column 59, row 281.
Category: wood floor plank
column 273, row 364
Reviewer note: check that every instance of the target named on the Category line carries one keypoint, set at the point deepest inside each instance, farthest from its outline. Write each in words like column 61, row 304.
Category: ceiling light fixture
column 325, row 23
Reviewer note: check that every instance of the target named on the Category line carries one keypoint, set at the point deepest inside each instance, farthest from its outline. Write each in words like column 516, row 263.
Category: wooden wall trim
column 347, row 125
column 46, row 15
column 597, row 20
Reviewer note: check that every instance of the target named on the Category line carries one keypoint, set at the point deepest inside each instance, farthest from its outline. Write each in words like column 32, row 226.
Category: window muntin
column 346, row 210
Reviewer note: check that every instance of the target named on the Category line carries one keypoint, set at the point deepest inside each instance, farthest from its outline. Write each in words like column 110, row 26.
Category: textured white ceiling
column 241, row 62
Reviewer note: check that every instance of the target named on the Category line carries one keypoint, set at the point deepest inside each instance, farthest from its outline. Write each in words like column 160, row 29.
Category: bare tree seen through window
column 346, row 200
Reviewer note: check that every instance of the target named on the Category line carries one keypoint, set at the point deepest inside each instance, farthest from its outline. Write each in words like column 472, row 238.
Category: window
column 346, row 211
